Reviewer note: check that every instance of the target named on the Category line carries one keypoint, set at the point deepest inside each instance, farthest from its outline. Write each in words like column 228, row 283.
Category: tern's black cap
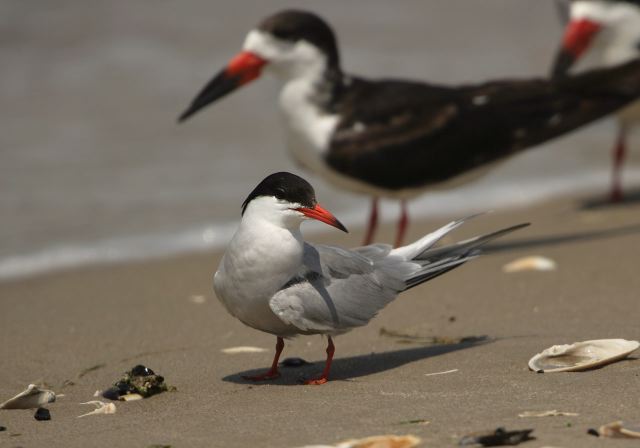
column 284, row 186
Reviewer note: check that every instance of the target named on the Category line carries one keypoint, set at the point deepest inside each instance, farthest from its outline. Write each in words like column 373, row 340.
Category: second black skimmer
column 609, row 32
column 274, row 281
column 394, row 138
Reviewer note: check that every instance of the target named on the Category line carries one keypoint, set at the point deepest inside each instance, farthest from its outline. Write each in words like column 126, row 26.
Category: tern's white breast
column 259, row 260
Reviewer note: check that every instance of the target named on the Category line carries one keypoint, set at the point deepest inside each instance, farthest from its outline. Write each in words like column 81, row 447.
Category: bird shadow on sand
column 348, row 368
column 604, row 202
column 564, row 238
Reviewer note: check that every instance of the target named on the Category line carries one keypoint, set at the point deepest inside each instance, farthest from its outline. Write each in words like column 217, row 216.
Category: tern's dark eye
column 284, row 33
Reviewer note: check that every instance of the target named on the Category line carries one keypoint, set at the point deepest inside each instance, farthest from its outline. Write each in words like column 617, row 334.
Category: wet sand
column 109, row 318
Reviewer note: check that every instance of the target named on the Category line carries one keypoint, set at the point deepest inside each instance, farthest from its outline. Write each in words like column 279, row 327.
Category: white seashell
column 386, row 441
column 582, row 355
column 243, row 349
column 198, row 299
column 101, row 408
column 552, row 413
column 318, row 446
column 533, row 263
column 617, row 430
column 441, row 373
column 31, row 398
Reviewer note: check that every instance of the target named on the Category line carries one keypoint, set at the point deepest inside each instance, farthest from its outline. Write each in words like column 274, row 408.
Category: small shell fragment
column 130, row 397
column 386, row 441
column 581, row 355
column 243, row 349
column 31, row 398
column 197, row 299
column 552, row 413
column 532, row 263
column 441, row 373
column 101, row 408
column 617, row 430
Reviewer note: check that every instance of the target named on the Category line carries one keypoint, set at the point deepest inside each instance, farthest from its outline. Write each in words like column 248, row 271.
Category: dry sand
column 55, row 327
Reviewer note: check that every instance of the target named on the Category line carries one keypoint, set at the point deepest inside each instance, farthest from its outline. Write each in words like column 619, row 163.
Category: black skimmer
column 609, row 32
column 274, row 281
column 394, row 138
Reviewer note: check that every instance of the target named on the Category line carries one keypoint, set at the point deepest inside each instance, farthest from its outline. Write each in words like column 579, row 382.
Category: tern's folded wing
column 338, row 289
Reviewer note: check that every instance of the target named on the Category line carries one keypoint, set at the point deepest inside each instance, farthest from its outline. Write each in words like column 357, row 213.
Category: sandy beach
column 90, row 325
column 94, row 167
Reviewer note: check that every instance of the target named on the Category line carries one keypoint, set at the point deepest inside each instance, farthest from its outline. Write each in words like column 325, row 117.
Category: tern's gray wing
column 337, row 289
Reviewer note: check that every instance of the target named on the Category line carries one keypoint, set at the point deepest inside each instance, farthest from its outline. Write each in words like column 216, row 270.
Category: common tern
column 272, row 280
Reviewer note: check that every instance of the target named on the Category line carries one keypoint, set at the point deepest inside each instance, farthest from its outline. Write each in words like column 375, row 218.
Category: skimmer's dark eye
column 284, row 33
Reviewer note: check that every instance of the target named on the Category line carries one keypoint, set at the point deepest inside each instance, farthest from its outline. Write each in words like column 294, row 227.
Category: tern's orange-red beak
column 577, row 38
column 321, row 214
column 242, row 69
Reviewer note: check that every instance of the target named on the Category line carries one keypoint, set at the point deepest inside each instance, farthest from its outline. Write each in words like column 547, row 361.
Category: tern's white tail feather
column 437, row 261
column 411, row 251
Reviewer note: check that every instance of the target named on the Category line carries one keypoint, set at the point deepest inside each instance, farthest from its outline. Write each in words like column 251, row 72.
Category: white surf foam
column 475, row 197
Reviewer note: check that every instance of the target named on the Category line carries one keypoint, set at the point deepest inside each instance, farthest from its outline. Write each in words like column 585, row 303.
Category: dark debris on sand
column 499, row 437
column 42, row 415
column 139, row 380
column 294, row 362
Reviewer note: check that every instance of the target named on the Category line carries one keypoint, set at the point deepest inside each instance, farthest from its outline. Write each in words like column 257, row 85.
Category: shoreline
column 213, row 237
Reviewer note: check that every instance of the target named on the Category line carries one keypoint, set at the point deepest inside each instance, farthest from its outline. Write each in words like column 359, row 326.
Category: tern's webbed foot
column 316, row 382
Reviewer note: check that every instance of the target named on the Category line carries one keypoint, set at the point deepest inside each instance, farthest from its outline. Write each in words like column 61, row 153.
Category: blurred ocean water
column 93, row 166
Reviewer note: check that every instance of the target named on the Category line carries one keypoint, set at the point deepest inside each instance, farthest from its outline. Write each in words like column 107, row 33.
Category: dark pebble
column 124, row 388
column 499, row 437
column 294, row 362
column 141, row 370
column 3, row 428
column 113, row 393
column 593, row 432
column 42, row 414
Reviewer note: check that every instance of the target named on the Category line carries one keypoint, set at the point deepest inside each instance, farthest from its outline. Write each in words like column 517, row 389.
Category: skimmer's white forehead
column 291, row 58
column 602, row 11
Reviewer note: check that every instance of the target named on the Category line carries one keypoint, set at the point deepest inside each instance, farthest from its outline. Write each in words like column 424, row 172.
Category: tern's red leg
column 272, row 373
column 373, row 222
column 402, row 224
column 327, row 367
column 619, row 152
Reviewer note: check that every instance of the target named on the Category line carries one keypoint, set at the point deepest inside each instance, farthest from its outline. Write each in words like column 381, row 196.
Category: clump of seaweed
column 140, row 380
